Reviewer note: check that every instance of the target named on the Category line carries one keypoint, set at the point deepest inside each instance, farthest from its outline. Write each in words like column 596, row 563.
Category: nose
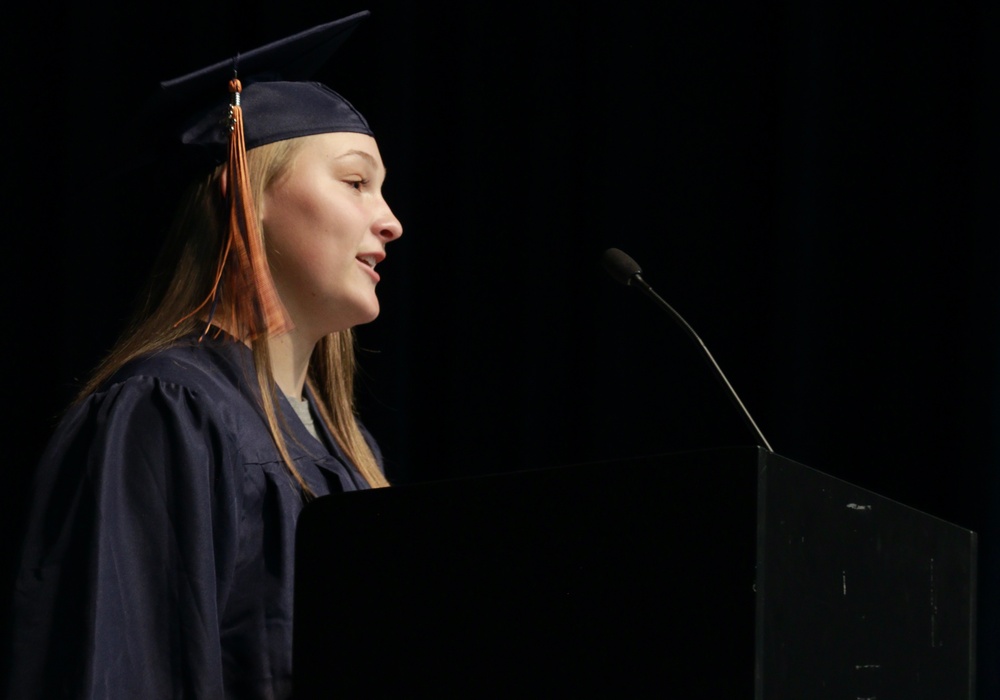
column 387, row 226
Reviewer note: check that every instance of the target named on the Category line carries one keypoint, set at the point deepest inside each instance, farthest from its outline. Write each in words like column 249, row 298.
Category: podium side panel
column 861, row 596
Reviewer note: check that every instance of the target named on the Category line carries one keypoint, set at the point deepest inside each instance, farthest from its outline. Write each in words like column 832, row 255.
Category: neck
column 290, row 353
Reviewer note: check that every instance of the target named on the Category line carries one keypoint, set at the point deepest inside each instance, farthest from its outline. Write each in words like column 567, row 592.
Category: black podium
column 730, row 573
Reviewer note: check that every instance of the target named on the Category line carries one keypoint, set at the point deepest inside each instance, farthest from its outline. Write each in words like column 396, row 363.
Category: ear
column 224, row 180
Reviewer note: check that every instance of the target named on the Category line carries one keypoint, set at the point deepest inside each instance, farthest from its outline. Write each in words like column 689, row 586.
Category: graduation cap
column 276, row 97
column 255, row 98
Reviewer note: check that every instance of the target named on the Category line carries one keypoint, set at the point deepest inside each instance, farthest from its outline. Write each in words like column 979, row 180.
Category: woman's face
column 326, row 226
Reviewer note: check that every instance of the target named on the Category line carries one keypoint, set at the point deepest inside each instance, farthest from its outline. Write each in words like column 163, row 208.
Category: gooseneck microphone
column 626, row 271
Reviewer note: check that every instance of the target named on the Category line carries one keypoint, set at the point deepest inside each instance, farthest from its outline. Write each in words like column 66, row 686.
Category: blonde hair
column 182, row 278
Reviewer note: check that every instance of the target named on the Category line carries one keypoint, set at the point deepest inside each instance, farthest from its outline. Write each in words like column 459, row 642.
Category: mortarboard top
column 277, row 100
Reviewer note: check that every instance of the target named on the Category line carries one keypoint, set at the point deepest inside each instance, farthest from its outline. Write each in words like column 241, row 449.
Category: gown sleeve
column 131, row 544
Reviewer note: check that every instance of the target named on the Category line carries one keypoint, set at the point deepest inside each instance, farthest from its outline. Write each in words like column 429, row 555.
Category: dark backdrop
column 812, row 185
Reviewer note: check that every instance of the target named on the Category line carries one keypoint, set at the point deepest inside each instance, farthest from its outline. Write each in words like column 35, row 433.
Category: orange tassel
column 255, row 309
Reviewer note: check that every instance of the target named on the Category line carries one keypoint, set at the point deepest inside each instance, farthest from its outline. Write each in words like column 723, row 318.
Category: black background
column 812, row 185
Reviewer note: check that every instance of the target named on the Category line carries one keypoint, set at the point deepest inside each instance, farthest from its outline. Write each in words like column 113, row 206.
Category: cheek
column 288, row 215
column 305, row 239
column 291, row 220
column 313, row 221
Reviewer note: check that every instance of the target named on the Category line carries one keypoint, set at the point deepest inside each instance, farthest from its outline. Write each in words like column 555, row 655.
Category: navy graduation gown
column 159, row 555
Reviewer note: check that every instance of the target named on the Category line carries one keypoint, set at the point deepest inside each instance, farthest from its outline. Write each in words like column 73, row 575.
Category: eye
column 357, row 184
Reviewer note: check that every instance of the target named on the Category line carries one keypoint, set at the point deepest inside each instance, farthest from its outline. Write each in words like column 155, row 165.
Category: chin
column 368, row 319
column 363, row 314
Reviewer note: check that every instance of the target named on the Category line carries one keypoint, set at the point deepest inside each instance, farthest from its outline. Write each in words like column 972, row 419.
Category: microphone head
column 620, row 266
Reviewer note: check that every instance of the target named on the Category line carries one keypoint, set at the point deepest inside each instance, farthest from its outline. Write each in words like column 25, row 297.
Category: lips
column 368, row 262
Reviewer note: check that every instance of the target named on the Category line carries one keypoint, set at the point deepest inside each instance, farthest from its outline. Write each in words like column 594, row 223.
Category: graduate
column 159, row 555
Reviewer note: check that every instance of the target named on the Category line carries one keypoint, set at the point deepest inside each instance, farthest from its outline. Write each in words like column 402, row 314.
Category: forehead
column 341, row 146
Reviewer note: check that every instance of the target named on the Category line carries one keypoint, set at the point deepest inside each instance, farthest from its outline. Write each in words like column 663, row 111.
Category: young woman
column 160, row 548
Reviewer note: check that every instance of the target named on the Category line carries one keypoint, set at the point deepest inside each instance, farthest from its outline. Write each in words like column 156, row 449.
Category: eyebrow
column 363, row 154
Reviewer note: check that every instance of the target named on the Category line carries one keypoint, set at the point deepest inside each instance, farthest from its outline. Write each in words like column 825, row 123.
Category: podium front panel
column 617, row 580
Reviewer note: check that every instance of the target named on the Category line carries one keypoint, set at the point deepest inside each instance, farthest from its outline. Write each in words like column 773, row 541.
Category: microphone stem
column 650, row 292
